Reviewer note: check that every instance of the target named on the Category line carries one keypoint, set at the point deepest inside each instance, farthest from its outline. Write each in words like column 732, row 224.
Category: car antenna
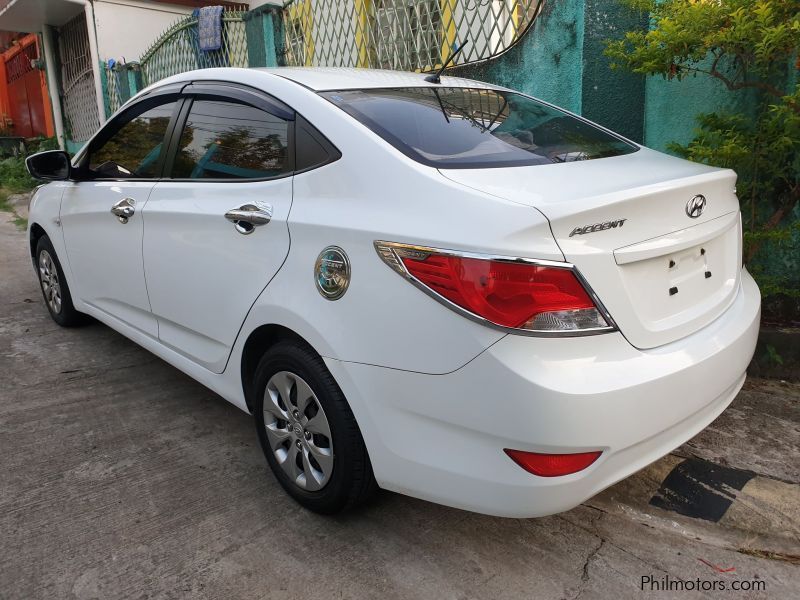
column 436, row 77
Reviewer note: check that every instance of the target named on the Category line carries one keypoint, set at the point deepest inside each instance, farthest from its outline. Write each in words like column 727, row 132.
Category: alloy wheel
column 48, row 276
column 298, row 431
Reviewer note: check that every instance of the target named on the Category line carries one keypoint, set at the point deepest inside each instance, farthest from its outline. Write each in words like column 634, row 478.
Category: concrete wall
column 615, row 99
column 127, row 28
column 560, row 60
column 547, row 62
column 671, row 106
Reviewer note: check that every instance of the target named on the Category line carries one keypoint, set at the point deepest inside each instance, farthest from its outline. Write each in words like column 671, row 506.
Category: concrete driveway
column 120, row 477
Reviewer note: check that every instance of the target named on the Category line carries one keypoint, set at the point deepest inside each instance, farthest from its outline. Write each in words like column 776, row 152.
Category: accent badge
column 332, row 273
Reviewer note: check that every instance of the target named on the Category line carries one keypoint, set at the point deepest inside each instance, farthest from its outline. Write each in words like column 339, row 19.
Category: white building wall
column 127, row 28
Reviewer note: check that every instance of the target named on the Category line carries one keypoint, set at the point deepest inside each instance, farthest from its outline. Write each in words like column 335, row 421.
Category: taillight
column 552, row 465
column 528, row 295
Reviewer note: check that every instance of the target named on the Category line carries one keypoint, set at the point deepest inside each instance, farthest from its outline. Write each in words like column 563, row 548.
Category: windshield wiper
column 439, row 100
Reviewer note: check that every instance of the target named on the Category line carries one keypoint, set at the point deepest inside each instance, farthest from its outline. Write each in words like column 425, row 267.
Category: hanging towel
column 209, row 28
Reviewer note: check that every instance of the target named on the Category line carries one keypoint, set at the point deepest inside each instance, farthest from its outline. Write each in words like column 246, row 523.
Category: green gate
column 177, row 50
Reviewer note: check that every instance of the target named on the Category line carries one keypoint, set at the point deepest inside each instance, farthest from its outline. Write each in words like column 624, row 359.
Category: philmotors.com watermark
column 649, row 583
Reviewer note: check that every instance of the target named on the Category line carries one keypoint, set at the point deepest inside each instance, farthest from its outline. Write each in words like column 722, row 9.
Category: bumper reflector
column 552, row 465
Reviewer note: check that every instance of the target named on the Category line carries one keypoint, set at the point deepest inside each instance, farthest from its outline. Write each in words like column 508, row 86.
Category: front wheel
column 308, row 432
column 55, row 291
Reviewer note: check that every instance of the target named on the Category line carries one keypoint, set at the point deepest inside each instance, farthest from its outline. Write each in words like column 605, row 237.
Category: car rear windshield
column 475, row 128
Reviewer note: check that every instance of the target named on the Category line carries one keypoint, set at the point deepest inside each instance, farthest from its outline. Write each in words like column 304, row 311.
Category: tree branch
column 777, row 217
column 740, row 85
column 733, row 85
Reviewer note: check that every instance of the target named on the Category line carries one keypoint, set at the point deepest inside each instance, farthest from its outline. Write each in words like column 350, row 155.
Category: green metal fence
column 116, row 86
column 409, row 35
column 390, row 34
column 176, row 51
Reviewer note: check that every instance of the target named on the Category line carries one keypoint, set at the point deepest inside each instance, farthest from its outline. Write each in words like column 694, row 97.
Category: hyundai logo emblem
column 696, row 206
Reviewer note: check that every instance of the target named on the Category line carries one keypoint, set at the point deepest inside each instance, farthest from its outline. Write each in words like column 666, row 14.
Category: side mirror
column 52, row 165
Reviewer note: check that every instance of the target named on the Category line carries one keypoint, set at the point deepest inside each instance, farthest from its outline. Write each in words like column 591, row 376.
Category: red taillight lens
column 512, row 293
column 552, row 465
column 509, row 294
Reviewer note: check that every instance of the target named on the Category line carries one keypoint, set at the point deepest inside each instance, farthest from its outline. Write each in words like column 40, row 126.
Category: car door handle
column 124, row 209
column 249, row 216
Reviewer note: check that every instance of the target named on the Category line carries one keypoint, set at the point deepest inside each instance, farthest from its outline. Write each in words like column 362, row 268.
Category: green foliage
column 750, row 46
column 46, row 144
column 14, row 176
column 20, row 222
column 773, row 356
column 748, row 42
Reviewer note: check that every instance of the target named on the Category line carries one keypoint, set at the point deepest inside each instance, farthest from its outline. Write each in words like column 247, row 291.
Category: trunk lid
column 623, row 222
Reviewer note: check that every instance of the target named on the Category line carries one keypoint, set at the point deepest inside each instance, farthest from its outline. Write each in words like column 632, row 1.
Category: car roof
column 343, row 78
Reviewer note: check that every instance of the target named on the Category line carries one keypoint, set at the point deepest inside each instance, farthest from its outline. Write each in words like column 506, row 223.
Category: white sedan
column 450, row 290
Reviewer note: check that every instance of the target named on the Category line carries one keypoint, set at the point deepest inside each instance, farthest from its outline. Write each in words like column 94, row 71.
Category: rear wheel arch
column 302, row 416
column 258, row 342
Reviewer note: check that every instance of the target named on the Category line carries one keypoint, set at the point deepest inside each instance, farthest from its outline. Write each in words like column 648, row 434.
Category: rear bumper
column 441, row 437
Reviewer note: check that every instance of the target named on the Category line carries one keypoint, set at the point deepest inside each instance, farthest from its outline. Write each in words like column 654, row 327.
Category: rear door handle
column 249, row 216
column 124, row 209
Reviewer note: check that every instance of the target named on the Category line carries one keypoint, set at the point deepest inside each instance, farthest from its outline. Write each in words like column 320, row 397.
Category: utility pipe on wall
column 51, row 69
column 95, row 56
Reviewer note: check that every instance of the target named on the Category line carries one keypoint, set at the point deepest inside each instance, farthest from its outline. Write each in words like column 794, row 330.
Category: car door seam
column 261, row 292
column 144, row 265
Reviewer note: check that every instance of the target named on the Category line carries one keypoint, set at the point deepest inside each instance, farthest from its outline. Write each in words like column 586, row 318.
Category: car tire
column 308, row 433
column 53, row 284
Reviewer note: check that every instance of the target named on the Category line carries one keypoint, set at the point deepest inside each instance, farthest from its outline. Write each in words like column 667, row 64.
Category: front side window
column 133, row 151
column 229, row 140
column 476, row 128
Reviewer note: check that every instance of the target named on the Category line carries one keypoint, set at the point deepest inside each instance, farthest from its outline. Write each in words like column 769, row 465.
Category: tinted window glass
column 228, row 140
column 474, row 128
column 312, row 149
column 133, row 151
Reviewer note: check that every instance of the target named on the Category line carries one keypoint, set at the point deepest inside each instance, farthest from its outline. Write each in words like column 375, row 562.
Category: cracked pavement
column 123, row 478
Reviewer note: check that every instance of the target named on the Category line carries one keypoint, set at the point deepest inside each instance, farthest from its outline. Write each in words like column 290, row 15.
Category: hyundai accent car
column 450, row 290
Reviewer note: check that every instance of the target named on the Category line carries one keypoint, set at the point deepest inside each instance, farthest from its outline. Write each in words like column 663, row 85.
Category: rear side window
column 312, row 149
column 476, row 128
column 230, row 140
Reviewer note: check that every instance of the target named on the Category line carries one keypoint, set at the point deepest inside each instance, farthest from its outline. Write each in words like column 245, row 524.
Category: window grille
column 113, row 93
column 413, row 35
column 78, row 97
column 21, row 63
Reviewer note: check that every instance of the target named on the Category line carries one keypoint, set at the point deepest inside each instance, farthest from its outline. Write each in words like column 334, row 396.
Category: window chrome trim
column 390, row 252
